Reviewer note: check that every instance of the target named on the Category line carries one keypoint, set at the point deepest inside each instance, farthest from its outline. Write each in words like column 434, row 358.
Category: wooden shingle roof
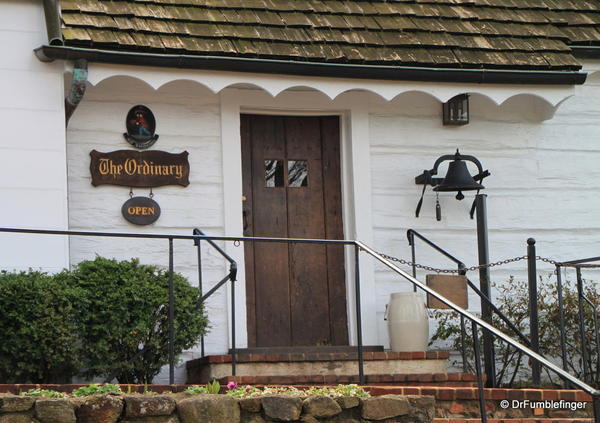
column 489, row 34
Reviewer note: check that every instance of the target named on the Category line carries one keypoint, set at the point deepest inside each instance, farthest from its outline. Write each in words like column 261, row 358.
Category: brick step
column 299, row 356
column 205, row 369
column 520, row 420
column 416, row 379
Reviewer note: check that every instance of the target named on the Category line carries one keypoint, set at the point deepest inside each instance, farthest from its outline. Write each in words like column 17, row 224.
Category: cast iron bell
column 458, row 178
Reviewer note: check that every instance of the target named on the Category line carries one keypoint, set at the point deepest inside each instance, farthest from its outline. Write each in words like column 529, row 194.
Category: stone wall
column 186, row 408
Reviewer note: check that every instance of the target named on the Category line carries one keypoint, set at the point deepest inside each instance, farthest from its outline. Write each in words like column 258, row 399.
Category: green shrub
column 122, row 317
column 37, row 329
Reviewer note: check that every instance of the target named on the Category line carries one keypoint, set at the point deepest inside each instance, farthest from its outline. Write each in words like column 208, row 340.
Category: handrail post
column 482, row 409
column 357, row 300
column 200, row 288
column 484, row 285
column 533, row 309
column 584, row 355
column 596, row 406
column 233, row 345
column 171, row 317
column 463, row 332
column 411, row 242
column 561, row 312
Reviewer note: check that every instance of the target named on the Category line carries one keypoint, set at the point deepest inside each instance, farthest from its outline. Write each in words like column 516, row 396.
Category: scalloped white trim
column 216, row 81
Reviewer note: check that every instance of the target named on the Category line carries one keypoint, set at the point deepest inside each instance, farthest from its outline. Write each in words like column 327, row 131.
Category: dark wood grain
column 290, row 288
column 308, row 263
column 271, row 261
column 334, row 228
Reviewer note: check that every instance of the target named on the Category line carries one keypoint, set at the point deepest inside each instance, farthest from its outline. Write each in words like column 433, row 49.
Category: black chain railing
column 482, row 266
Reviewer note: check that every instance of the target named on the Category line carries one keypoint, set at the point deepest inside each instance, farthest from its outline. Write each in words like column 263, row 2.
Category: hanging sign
column 140, row 124
column 140, row 169
column 141, row 210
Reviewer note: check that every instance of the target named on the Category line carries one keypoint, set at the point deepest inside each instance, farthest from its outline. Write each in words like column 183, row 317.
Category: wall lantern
column 456, row 110
column 458, row 179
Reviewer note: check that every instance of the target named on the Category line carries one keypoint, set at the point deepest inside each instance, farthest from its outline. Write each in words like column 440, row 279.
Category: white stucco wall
column 188, row 118
column 33, row 185
column 543, row 183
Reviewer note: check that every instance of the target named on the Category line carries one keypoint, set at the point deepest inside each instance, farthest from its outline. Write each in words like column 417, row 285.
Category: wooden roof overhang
column 528, row 43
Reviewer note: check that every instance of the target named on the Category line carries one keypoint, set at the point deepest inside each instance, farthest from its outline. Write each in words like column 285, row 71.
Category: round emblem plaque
column 141, row 126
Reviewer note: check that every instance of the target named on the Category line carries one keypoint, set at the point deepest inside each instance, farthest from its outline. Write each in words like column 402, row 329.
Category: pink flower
column 248, row 388
column 231, row 385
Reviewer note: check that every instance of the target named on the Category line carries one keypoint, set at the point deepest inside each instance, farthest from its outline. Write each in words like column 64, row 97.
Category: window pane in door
column 273, row 173
column 297, row 173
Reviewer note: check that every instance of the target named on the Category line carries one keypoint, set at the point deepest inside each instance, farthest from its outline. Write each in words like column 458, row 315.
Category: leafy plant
column 196, row 389
column 46, row 393
column 333, row 392
column 351, row 390
column 512, row 298
column 213, row 387
column 38, row 329
column 94, row 389
column 122, row 318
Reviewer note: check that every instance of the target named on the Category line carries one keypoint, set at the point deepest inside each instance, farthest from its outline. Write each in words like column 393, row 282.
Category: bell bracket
column 427, row 177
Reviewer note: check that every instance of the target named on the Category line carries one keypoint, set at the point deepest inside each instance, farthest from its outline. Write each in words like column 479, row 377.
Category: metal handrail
column 582, row 299
column 483, row 324
column 358, row 246
column 198, row 236
column 411, row 233
column 227, row 257
column 176, row 236
column 501, row 315
column 231, row 276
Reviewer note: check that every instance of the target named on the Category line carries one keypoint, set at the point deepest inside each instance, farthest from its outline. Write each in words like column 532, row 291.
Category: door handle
column 245, row 218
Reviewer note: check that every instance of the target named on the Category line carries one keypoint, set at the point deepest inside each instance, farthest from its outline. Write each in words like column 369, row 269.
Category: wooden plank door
column 296, row 293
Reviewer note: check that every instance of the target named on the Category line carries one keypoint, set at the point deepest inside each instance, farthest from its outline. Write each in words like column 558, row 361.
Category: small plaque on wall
column 141, row 210
column 453, row 287
column 140, row 169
